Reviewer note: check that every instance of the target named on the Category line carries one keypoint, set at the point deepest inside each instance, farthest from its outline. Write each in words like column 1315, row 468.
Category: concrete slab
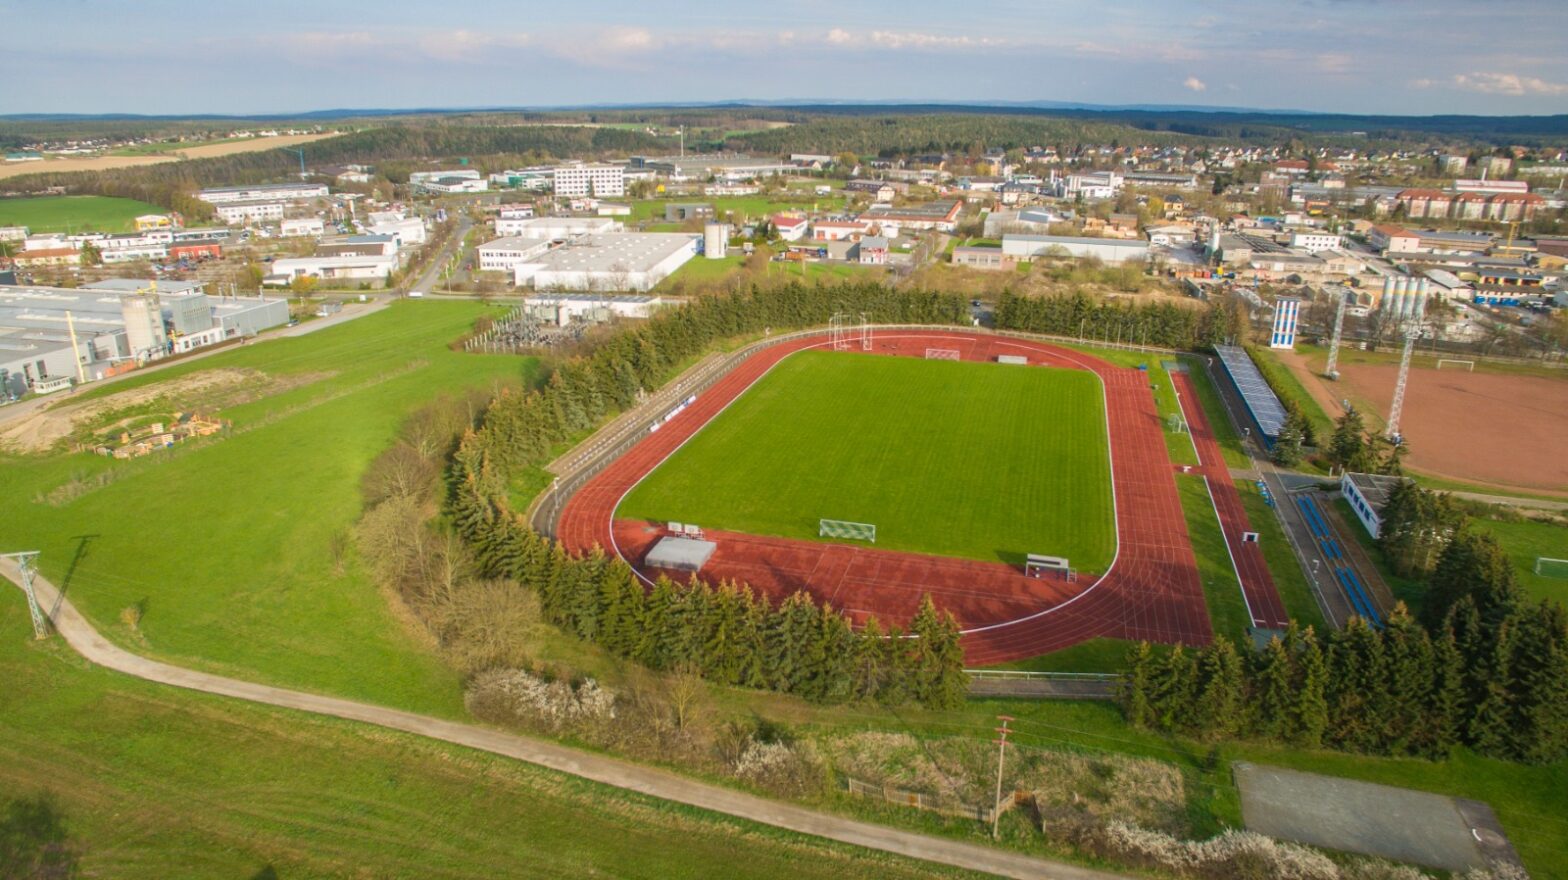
column 1360, row 817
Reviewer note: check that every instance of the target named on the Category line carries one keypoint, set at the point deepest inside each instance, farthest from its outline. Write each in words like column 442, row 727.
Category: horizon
column 1313, row 56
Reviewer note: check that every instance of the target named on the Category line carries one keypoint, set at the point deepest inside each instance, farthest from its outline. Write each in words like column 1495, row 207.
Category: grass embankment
column 1221, row 589
column 980, row 461
column 158, row 782
column 235, row 552
column 75, row 213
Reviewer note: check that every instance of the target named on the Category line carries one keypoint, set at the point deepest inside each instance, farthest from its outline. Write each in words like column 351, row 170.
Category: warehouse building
column 241, row 213
column 554, row 227
column 1107, row 250
column 82, row 335
column 287, row 192
column 375, row 268
column 608, row 261
column 506, row 254
column 596, row 307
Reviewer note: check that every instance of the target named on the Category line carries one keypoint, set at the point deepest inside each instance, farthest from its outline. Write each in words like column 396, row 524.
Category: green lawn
column 1294, row 590
column 75, row 213
column 737, row 208
column 227, row 548
column 1221, row 590
column 1214, row 409
column 984, row 461
column 1524, row 542
column 156, row 782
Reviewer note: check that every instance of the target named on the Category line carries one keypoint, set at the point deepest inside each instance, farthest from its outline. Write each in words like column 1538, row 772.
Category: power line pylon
column 24, row 562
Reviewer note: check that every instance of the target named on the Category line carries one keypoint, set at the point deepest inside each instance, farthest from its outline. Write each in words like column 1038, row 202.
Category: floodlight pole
column 24, row 562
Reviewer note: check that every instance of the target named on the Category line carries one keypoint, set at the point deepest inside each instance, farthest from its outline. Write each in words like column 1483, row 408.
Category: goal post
column 1546, row 566
column 941, row 354
column 841, row 528
column 1469, row 366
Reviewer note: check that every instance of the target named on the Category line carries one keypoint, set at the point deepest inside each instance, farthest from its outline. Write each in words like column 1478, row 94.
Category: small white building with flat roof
column 609, row 261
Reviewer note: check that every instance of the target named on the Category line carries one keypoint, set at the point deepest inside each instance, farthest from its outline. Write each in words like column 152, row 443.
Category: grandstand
column 1361, row 601
column 1268, row 414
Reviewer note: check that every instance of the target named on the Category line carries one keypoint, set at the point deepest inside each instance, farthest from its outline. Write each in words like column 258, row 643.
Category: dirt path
column 88, row 642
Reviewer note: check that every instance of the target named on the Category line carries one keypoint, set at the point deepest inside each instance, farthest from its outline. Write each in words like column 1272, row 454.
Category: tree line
column 1077, row 313
column 1488, row 670
column 726, row 631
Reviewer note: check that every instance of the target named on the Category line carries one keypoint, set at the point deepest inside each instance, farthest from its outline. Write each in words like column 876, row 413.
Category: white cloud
column 1194, row 84
column 839, row 36
column 470, row 46
column 917, row 40
column 1492, row 83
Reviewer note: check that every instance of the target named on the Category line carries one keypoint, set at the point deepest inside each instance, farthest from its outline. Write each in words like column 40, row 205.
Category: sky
column 1417, row 57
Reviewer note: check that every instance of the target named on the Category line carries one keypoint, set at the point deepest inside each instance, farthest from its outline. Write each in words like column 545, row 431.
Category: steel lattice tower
column 1332, row 369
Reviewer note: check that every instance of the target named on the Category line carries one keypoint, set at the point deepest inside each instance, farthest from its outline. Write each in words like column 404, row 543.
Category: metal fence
column 932, row 803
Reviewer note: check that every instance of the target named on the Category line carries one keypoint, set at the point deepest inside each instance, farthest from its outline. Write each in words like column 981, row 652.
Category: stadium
column 1025, row 486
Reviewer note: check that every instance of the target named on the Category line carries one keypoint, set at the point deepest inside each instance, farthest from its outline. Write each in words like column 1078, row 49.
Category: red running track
column 1152, row 590
column 1257, row 585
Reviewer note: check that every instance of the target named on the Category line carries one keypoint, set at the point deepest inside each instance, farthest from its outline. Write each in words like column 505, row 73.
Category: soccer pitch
column 972, row 460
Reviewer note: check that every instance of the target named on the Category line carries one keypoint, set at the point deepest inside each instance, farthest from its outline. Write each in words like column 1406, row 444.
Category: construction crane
column 301, row 153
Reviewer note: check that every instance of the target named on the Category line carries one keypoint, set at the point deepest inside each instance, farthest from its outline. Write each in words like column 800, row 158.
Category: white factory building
column 554, row 227
column 1107, row 250
column 407, row 231
column 608, row 261
column 593, row 306
column 370, row 267
column 287, row 192
column 506, row 254
column 240, row 213
column 85, row 334
column 599, row 181
column 300, row 226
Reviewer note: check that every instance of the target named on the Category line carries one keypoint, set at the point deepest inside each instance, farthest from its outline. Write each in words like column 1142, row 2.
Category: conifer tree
column 1134, row 689
column 1217, row 707
column 1310, row 718
column 1276, row 694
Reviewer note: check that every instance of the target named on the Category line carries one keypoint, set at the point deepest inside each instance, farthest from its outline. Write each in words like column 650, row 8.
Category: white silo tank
column 716, row 241
column 1386, row 301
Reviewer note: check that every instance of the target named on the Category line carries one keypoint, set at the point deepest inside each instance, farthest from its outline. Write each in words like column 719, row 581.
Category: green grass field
column 157, row 782
column 1524, row 542
column 1221, row 590
column 75, row 213
column 752, row 208
column 982, row 461
column 228, row 548
column 1294, row 591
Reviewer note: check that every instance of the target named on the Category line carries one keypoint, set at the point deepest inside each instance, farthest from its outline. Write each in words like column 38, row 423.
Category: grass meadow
column 981, row 461
column 235, row 553
column 75, row 213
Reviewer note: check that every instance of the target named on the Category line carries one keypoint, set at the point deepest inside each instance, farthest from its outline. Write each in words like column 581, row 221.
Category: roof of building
column 135, row 285
column 680, row 554
column 926, row 211
column 1255, row 392
column 614, row 252
column 1129, row 243
column 1375, row 488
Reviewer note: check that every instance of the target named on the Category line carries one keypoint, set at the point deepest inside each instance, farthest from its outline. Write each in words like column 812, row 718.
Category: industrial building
column 554, row 227
column 567, row 307
column 1108, row 250
column 461, row 180
column 287, row 192
column 241, row 213
column 368, row 268
column 506, row 254
column 81, row 335
column 300, row 226
column 608, row 261
column 941, row 216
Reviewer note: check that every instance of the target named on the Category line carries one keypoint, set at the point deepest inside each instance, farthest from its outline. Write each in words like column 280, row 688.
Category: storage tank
column 716, row 241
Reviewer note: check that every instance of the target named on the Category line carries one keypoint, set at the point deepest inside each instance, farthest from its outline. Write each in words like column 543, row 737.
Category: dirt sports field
column 104, row 163
column 1151, row 590
column 1501, row 430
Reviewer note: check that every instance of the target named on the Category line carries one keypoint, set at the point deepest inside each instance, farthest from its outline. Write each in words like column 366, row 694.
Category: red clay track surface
column 1257, row 585
column 1152, row 590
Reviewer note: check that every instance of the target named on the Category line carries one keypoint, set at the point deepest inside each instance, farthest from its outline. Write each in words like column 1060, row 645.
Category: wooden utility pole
column 1001, row 756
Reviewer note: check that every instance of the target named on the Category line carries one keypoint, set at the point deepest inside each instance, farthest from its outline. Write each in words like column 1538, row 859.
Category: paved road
column 427, row 281
column 86, row 640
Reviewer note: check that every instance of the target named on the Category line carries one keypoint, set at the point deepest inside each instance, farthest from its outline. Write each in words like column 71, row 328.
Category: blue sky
column 279, row 56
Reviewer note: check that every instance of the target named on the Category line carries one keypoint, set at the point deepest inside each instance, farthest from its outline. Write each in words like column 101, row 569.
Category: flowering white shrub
column 556, row 706
column 779, row 767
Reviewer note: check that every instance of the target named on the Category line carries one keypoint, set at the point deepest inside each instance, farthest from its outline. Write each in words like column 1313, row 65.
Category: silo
column 1386, row 301
column 716, row 241
column 1421, row 295
column 1401, row 297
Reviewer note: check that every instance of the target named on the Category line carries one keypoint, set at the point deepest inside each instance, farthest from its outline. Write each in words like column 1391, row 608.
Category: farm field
column 980, row 461
column 201, row 151
column 157, row 782
column 236, row 553
column 75, row 213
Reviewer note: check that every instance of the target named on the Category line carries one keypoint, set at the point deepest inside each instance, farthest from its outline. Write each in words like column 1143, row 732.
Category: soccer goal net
column 1456, row 364
column 1546, row 566
column 941, row 354
column 839, row 528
